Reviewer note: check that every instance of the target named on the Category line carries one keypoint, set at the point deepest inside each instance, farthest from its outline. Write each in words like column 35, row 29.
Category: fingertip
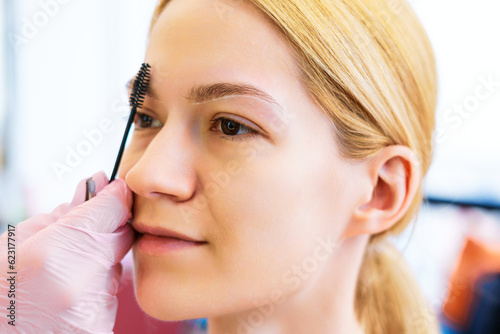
column 101, row 180
column 101, row 173
column 128, row 192
column 121, row 185
column 120, row 188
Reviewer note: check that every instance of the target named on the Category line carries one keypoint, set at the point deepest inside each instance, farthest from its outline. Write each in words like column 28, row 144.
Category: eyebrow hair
column 204, row 93
column 209, row 92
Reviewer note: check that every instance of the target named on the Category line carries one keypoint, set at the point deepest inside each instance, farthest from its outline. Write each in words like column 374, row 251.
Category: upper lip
column 163, row 232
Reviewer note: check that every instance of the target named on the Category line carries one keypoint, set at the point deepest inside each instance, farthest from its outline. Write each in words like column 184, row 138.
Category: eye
column 231, row 129
column 144, row 121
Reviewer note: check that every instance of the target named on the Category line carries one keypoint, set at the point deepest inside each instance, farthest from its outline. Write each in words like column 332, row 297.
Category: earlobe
column 395, row 177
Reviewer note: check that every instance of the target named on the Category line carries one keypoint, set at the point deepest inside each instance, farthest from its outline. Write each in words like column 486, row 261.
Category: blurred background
column 63, row 107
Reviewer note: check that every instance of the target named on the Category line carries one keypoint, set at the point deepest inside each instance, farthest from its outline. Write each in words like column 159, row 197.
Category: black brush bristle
column 137, row 96
column 140, row 87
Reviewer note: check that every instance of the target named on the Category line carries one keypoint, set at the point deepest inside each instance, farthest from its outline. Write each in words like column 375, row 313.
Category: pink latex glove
column 68, row 263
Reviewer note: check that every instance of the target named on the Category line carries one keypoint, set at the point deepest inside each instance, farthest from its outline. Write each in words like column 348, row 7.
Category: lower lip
column 153, row 244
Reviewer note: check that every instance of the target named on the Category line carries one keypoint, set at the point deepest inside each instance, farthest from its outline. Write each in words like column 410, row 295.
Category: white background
column 465, row 37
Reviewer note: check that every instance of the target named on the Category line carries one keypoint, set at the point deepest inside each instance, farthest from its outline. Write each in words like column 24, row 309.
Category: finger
column 101, row 181
column 110, row 209
column 102, row 249
column 30, row 226
column 114, row 282
column 113, row 247
column 126, row 237
column 107, row 302
column 34, row 224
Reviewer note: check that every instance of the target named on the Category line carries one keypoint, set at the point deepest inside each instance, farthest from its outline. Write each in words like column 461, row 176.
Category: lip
column 161, row 246
column 155, row 240
column 163, row 232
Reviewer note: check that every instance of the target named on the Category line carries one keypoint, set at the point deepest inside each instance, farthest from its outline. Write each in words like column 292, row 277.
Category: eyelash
column 248, row 131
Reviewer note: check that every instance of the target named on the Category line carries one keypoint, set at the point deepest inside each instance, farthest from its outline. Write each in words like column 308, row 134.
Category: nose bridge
column 170, row 146
column 166, row 165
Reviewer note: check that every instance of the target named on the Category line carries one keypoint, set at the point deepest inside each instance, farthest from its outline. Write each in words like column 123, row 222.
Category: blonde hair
column 370, row 67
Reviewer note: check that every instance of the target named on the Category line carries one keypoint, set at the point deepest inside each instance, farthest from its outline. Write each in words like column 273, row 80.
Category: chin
column 169, row 301
column 166, row 309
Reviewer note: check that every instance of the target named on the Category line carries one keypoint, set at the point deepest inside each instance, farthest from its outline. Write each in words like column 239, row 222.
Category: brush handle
column 124, row 140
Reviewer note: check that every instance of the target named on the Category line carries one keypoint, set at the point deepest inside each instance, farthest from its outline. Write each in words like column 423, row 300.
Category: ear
column 394, row 174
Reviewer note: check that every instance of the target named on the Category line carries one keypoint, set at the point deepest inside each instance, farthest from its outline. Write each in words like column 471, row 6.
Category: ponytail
column 388, row 299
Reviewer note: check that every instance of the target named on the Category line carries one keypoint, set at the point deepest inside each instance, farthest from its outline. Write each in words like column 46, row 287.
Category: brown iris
column 230, row 127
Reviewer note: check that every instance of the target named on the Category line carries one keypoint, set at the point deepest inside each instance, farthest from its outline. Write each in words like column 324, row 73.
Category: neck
column 323, row 303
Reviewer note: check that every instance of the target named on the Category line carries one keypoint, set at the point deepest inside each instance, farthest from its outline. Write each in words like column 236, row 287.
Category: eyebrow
column 218, row 90
column 205, row 93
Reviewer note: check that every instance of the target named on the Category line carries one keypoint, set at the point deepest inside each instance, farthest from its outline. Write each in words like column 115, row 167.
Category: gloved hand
column 68, row 263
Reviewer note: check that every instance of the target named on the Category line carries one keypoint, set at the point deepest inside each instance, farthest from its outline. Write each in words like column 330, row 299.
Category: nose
column 166, row 167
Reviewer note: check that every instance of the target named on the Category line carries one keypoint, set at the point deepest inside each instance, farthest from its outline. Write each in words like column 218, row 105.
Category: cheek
column 272, row 213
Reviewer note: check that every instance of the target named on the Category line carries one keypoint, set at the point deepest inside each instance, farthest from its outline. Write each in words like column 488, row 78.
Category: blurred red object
column 476, row 260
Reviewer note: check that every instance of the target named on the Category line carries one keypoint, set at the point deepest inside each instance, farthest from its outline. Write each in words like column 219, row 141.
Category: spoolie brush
column 137, row 96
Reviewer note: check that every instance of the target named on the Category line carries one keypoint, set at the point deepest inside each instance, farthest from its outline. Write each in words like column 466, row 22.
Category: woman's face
column 229, row 149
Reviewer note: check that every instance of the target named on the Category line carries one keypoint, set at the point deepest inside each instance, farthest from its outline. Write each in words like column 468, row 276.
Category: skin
column 286, row 193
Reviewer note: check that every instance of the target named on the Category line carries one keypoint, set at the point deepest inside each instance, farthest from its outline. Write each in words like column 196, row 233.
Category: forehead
column 214, row 37
column 196, row 42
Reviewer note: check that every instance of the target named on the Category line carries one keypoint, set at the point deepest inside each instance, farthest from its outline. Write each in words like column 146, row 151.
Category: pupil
column 145, row 120
column 230, row 127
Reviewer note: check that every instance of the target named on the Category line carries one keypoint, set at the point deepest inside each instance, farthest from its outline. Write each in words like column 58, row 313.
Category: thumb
column 110, row 209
